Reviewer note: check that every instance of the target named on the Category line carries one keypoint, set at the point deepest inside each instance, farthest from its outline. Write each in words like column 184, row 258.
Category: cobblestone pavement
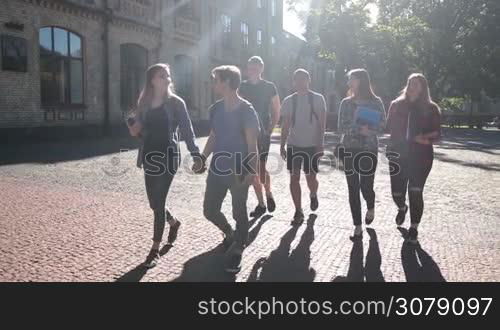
column 80, row 213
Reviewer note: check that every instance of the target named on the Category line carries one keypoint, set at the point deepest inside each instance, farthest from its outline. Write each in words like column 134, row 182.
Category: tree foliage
column 455, row 43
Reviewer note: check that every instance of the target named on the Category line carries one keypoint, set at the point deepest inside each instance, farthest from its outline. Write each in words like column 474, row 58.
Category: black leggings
column 410, row 174
column 359, row 168
column 159, row 173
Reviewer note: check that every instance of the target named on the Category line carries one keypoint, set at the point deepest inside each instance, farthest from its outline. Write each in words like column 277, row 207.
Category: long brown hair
column 365, row 90
column 424, row 100
column 146, row 96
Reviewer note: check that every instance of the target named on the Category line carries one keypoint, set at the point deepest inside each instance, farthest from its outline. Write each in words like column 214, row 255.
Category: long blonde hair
column 424, row 100
column 146, row 96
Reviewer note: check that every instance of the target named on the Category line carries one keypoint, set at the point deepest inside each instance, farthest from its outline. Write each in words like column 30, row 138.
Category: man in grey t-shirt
column 233, row 143
column 302, row 138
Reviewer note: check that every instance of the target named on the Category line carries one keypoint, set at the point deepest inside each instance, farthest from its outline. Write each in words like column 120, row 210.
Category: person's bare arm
column 275, row 112
column 285, row 131
column 251, row 136
column 209, row 146
column 199, row 165
column 322, row 126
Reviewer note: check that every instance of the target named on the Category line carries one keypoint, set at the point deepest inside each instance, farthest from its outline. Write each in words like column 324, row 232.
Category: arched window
column 61, row 67
column 183, row 77
column 134, row 62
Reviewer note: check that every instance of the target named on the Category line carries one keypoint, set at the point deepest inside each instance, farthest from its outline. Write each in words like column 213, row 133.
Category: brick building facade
column 67, row 63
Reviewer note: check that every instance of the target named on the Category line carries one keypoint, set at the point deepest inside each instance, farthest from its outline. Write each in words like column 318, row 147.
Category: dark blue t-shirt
column 229, row 127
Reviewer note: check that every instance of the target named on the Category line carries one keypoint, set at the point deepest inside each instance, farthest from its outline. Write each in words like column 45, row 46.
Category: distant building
column 71, row 63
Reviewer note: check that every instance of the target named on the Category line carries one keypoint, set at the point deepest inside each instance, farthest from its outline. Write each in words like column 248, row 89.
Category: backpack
column 310, row 98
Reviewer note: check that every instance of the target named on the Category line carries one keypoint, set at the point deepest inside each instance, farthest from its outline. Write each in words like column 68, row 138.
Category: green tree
column 455, row 43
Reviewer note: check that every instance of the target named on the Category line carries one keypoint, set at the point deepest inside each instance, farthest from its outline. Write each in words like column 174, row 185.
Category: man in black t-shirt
column 265, row 99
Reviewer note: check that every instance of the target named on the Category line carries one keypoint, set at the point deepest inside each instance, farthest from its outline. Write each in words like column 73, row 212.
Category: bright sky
column 293, row 24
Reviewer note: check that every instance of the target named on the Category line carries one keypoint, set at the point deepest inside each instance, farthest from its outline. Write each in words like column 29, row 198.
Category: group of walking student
column 242, row 122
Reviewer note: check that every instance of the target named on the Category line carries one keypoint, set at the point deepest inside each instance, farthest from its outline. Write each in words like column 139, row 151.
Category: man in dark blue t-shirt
column 265, row 99
column 234, row 164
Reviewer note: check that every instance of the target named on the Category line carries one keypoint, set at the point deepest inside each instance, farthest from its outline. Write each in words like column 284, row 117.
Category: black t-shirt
column 156, row 124
column 260, row 95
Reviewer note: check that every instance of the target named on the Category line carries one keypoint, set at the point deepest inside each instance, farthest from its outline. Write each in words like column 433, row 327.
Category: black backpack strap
column 242, row 122
column 310, row 97
column 294, row 109
column 241, row 114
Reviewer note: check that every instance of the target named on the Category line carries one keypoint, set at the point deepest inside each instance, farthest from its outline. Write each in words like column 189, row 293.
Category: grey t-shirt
column 305, row 131
column 230, row 140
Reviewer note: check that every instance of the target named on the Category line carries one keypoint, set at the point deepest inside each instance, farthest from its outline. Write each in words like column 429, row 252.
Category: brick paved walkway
column 81, row 214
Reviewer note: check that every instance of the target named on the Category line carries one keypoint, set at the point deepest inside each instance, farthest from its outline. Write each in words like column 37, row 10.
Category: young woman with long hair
column 159, row 115
column 361, row 119
column 414, row 123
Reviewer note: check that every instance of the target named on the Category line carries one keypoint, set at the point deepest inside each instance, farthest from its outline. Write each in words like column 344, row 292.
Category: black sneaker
column 356, row 237
column 298, row 218
column 271, row 205
column 228, row 241
column 314, row 203
column 413, row 236
column 258, row 212
column 370, row 216
column 152, row 259
column 172, row 232
column 400, row 218
column 233, row 259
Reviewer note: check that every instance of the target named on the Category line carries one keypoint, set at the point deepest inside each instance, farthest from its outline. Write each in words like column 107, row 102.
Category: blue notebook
column 368, row 116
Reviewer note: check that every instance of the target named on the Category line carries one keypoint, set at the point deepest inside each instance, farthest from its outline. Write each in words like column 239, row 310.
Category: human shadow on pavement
column 371, row 271
column 355, row 273
column 418, row 265
column 254, row 232
column 373, row 263
column 283, row 266
column 136, row 274
column 206, row 267
column 61, row 151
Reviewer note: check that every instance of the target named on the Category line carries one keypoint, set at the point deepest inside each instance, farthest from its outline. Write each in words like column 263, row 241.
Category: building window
column 273, row 8
column 259, row 4
column 184, row 8
column 273, row 46
column 244, row 35
column 183, row 78
column 213, row 29
column 259, row 38
column 226, row 30
column 61, row 67
column 14, row 54
column 133, row 65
